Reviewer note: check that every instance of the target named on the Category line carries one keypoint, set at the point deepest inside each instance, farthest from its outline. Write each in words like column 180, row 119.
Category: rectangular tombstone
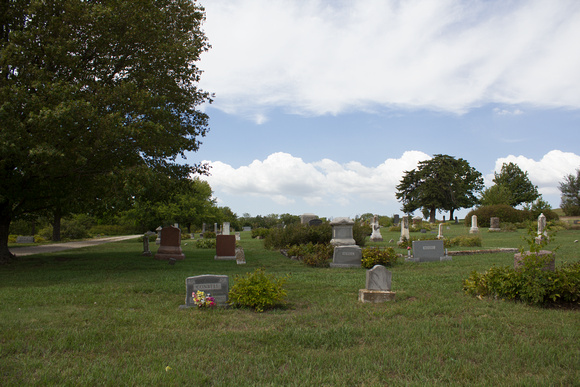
column 237, row 235
column 226, row 228
column 247, row 228
column 429, row 251
column 396, row 219
column 25, row 239
column 170, row 244
column 347, row 256
column 216, row 285
column 225, row 247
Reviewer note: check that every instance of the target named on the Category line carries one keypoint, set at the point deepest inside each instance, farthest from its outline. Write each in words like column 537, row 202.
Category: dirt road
column 52, row 248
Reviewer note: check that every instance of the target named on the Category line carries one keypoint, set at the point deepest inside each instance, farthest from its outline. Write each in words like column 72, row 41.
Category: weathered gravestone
column 347, row 256
column 305, row 218
column 170, row 245
column 378, row 286
column 146, row 252
column 315, row 222
column 226, row 228
column 494, row 224
column 542, row 232
column 404, row 228
column 342, row 232
column 440, row 235
column 396, row 219
column 247, row 228
column 25, row 239
column 217, row 286
column 158, row 240
column 240, row 256
column 376, row 236
column 225, row 247
column 428, row 251
column 237, row 235
column 474, row 229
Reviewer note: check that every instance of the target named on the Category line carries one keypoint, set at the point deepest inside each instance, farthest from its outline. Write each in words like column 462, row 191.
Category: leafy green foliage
column 442, row 183
column 314, row 255
column 298, row 234
column 260, row 232
column 517, row 183
column 372, row 256
column 257, row 290
column 496, row 194
column 205, row 243
column 504, row 212
column 570, row 189
column 530, row 284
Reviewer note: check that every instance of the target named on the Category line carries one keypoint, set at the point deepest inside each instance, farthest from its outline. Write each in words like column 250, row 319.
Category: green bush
column 315, row 255
column 466, row 241
column 372, row 256
column 205, row 243
column 409, row 242
column 360, row 233
column 508, row 227
column 298, row 234
column 260, row 232
column 530, row 284
column 257, row 290
column 395, row 228
column 75, row 227
column 209, row 235
column 12, row 238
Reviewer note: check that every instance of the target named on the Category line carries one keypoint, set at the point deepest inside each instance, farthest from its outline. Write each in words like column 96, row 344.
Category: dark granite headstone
column 315, row 222
column 428, row 251
column 170, row 245
column 216, row 285
column 225, row 247
column 347, row 256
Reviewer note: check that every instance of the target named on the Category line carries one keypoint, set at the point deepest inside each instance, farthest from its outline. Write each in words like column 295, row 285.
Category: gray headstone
column 379, row 278
column 396, row 219
column 217, row 286
column 25, row 239
column 315, row 222
column 342, row 232
column 347, row 256
column 247, row 228
column 429, row 251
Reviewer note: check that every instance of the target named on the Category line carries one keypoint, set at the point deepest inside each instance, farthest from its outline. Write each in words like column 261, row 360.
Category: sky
column 321, row 106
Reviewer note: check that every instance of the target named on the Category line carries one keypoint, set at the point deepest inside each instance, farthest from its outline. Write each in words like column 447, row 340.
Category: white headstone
column 379, row 278
column 404, row 228
column 474, row 229
column 226, row 228
column 440, row 235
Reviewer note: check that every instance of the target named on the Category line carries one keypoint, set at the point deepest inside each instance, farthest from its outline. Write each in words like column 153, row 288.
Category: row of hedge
column 301, row 234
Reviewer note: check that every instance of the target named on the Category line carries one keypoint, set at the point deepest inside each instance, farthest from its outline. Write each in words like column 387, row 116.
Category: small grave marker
column 347, row 256
column 428, row 251
column 378, row 286
column 216, row 285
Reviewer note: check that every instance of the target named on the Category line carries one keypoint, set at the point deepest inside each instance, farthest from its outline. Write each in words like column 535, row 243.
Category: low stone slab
column 375, row 296
column 347, row 256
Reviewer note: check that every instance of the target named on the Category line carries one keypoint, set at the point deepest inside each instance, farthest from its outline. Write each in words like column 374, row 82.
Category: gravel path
column 52, row 248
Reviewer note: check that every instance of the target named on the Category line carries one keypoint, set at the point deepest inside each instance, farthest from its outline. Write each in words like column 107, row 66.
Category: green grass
column 105, row 315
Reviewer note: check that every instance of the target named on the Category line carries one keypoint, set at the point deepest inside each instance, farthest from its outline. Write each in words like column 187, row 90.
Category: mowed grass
column 106, row 315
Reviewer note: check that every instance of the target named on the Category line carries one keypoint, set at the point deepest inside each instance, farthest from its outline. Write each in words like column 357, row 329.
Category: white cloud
column 546, row 173
column 319, row 57
column 285, row 179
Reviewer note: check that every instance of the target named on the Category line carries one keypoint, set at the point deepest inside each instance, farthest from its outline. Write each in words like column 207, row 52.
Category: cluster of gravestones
column 346, row 255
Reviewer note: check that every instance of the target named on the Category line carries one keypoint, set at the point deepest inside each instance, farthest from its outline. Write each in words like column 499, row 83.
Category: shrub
column 205, row 243
column 360, row 233
column 12, row 238
column 374, row 256
column 257, row 290
column 530, row 284
column 319, row 255
column 298, row 234
column 260, row 232
column 209, row 235
column 466, row 241
column 409, row 242
column 508, row 227
column 395, row 228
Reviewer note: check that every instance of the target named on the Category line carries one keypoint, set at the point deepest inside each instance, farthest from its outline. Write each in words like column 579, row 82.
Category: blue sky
column 322, row 105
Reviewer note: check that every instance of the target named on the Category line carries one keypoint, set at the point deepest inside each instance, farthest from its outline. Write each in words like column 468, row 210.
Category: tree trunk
column 451, row 214
column 5, row 255
column 432, row 215
column 56, row 225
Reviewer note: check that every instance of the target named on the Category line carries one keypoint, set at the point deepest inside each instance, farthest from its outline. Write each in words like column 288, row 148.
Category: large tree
column 90, row 89
column 441, row 183
column 570, row 189
column 517, row 183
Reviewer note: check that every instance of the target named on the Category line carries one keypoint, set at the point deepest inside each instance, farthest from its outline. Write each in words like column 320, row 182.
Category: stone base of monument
column 375, row 296
column 165, row 253
column 347, row 257
column 494, row 229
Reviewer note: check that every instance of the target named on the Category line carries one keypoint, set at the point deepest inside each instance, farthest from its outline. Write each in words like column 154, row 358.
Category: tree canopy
column 517, row 183
column 90, row 90
column 441, row 183
column 570, row 189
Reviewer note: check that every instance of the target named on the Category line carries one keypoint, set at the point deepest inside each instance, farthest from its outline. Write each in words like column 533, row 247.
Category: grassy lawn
column 105, row 315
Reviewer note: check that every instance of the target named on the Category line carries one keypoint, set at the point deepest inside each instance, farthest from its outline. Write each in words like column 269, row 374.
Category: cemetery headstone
column 216, row 285
column 342, row 232
column 225, row 247
column 347, row 256
column 494, row 224
column 226, row 228
column 247, row 228
column 456, row 220
column 25, row 239
column 396, row 219
column 170, row 245
column 237, row 235
column 305, row 218
column 315, row 222
column 240, row 256
column 158, row 240
column 428, row 251
column 215, row 228
column 542, row 232
column 378, row 286
column 376, row 235
column 146, row 252
column 440, row 235
column 404, row 228
column 474, row 229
